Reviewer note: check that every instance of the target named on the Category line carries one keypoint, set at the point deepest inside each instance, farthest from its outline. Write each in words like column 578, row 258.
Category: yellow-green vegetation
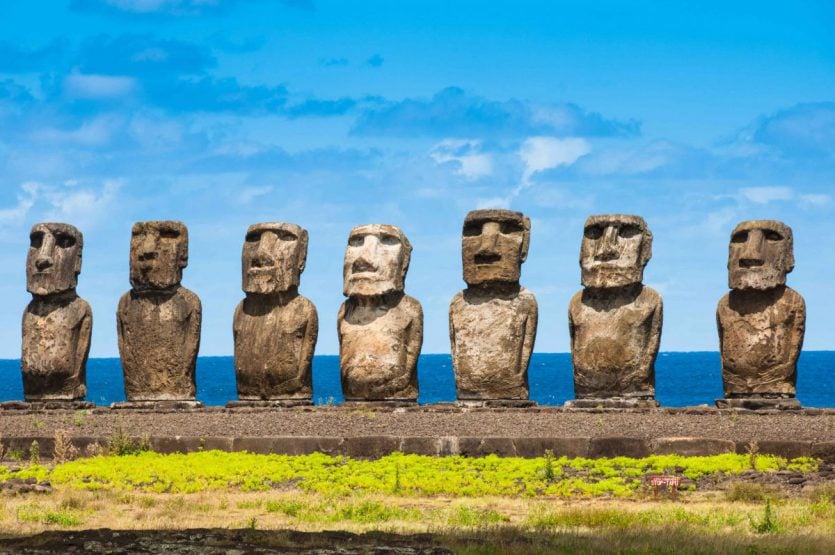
column 403, row 475
column 507, row 504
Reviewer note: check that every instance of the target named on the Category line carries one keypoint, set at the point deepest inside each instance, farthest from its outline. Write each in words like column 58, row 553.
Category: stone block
column 692, row 446
column 619, row 446
column 532, row 447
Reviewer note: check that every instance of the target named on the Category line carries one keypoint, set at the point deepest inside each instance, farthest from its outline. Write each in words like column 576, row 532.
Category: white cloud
column 495, row 202
column 247, row 194
column 764, row 195
column 472, row 164
column 79, row 85
column 816, row 199
column 544, row 153
column 26, row 199
column 97, row 132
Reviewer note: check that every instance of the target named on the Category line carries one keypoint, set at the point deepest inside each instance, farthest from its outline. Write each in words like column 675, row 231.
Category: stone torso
column 56, row 341
column 614, row 344
column 274, row 349
column 159, row 335
column 761, row 336
column 379, row 349
column 492, row 340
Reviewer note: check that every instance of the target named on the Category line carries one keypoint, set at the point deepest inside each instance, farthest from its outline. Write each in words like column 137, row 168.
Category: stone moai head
column 615, row 250
column 494, row 244
column 761, row 253
column 158, row 254
column 273, row 258
column 376, row 260
column 54, row 259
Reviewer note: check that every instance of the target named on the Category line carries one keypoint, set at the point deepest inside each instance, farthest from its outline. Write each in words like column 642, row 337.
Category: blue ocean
column 682, row 379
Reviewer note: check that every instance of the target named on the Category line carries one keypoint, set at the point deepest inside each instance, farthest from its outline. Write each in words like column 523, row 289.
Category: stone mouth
column 486, row 258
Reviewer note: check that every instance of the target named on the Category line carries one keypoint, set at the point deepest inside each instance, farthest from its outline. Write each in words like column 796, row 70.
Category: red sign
column 670, row 483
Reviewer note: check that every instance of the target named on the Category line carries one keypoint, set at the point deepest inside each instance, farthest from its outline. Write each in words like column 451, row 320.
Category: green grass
column 399, row 474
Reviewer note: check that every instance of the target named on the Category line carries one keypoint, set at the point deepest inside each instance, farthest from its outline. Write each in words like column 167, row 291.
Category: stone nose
column 366, row 256
column 607, row 246
column 752, row 254
column 148, row 247
column 44, row 259
column 489, row 238
column 263, row 254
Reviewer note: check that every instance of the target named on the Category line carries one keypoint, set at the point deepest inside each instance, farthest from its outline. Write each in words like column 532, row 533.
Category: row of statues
column 615, row 320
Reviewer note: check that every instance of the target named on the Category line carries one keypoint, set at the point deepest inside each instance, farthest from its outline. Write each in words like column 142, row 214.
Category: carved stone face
column 376, row 260
column 273, row 257
column 615, row 250
column 761, row 254
column 54, row 259
column 158, row 254
column 494, row 245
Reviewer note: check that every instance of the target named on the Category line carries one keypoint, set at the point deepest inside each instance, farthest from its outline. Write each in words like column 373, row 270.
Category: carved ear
column 302, row 248
column 407, row 256
column 183, row 261
column 646, row 247
column 790, row 251
column 526, row 239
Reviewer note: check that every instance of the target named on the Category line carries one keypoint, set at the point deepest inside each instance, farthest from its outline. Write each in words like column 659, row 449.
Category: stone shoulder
column 411, row 304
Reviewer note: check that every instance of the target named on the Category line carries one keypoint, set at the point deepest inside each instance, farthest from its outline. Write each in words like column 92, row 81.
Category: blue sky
column 330, row 114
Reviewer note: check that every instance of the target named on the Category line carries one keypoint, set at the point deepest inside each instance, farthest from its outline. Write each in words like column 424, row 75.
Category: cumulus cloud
column 544, row 153
column 454, row 112
column 765, row 195
column 465, row 155
column 93, row 86
column 803, row 130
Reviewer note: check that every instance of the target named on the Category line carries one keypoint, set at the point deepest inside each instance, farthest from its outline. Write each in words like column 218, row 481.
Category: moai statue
column 57, row 323
column 615, row 321
column 761, row 321
column 158, row 319
column 492, row 323
column 275, row 328
column 380, row 327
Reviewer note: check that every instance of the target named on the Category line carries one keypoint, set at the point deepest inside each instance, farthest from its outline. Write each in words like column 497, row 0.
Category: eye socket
column 772, row 235
column 253, row 237
column 285, row 235
column 472, row 229
column 628, row 230
column 389, row 240
column 593, row 232
column 511, row 227
column 169, row 233
column 64, row 241
column 356, row 240
column 36, row 240
column 739, row 237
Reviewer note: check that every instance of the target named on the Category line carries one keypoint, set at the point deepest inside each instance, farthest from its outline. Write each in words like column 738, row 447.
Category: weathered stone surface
column 692, row 446
column 619, row 447
column 758, row 403
column 158, row 319
column 380, row 327
column 57, row 323
column 786, row 448
column 532, row 447
column 161, row 405
column 615, row 321
column 613, row 403
column 275, row 328
column 276, row 403
column 761, row 321
column 492, row 323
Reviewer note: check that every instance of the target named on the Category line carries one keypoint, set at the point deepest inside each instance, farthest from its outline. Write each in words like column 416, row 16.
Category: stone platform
column 759, row 403
column 612, row 404
column 443, row 429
